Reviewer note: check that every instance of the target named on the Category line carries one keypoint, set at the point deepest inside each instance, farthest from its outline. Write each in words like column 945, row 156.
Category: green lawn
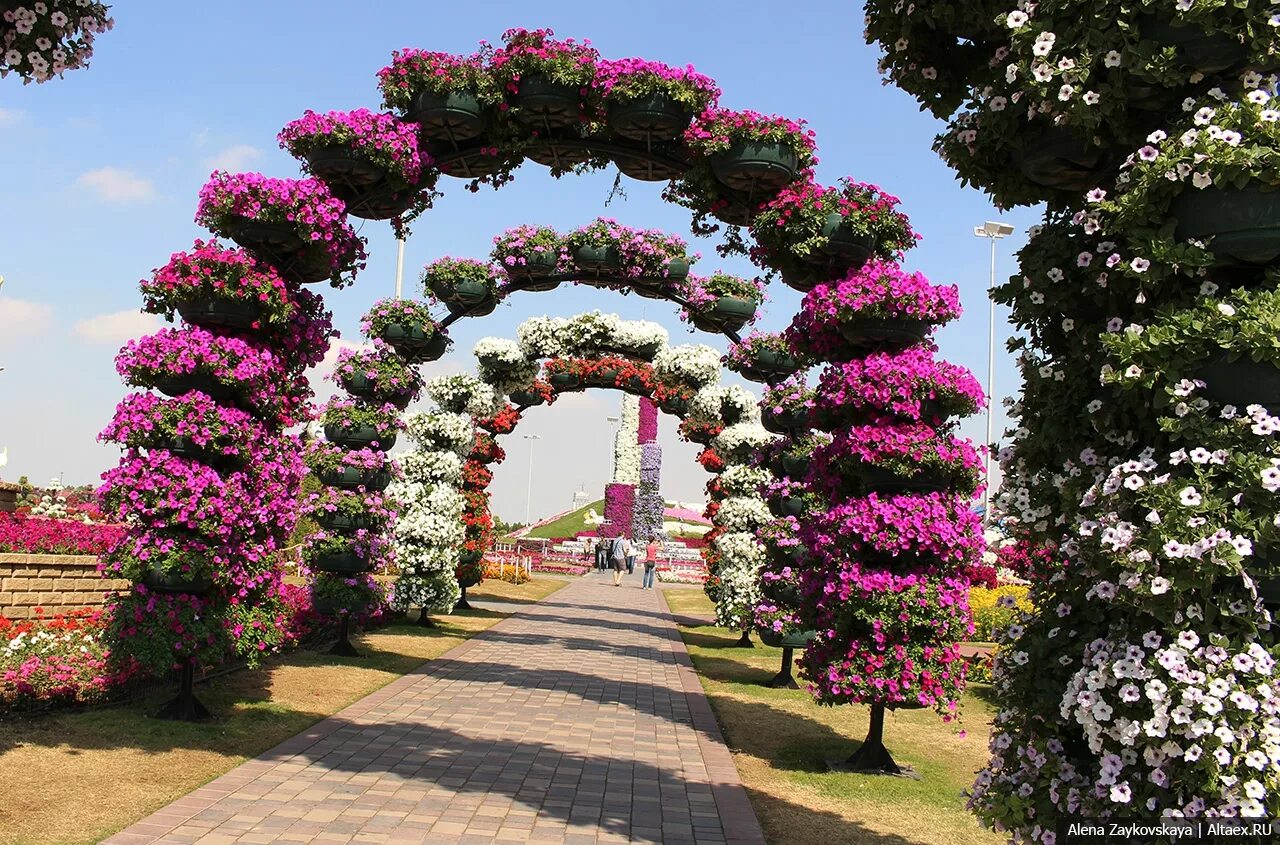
column 567, row 525
column 79, row 776
column 781, row 741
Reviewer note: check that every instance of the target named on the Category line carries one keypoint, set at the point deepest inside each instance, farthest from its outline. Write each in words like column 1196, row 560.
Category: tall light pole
column 993, row 230
column 613, row 445
column 399, row 266
column 528, row 490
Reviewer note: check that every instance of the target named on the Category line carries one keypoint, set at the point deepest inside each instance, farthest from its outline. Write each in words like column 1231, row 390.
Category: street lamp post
column 993, row 231
column 528, row 490
column 613, row 446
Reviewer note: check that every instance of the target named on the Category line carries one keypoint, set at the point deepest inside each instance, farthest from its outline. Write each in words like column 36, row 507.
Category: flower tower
column 209, row 480
column 1144, row 462
column 620, row 499
column 646, row 520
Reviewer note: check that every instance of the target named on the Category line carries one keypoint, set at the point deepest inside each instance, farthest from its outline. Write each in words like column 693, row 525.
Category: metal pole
column 399, row 267
column 991, row 384
column 528, row 493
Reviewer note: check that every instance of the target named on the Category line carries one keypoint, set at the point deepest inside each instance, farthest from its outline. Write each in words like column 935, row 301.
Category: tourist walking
column 601, row 552
column 587, row 548
column 650, row 562
column 629, row 550
column 618, row 556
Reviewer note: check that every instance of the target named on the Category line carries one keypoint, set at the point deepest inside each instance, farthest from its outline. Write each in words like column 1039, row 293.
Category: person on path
column 650, row 562
column 618, row 555
column 630, row 551
column 600, row 553
column 586, row 548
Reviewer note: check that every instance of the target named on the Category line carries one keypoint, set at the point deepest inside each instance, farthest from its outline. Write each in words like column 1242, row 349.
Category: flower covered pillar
column 646, row 519
column 209, row 481
column 620, row 493
column 1144, row 461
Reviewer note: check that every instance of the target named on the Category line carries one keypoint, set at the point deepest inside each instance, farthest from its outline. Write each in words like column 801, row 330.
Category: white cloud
column 114, row 184
column 8, row 117
column 23, row 318
column 234, row 158
column 117, row 327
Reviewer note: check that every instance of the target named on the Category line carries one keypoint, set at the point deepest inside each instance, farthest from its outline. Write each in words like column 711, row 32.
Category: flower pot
column 358, row 437
column 176, row 582
column 342, row 523
column 843, row 246
column 1197, row 51
column 560, row 156
column 755, row 167
column 597, row 259
column 1242, row 382
column 480, row 308
column 863, row 332
column 605, row 378
column 273, row 242
column 543, row 104
column 785, row 423
column 735, row 212
column 177, row 384
column 767, row 366
column 380, row 201
column 677, row 270
column 1058, row 158
column 656, row 117
column 802, row 279
column 359, row 385
column 537, row 265
column 220, row 313
column 1268, row 588
column 781, row 506
column 527, row 398
column 561, row 382
column 475, row 163
column 307, row 267
column 340, row 563
column 700, row 435
column 798, row 639
column 350, row 478
column 649, row 291
column 331, row 605
column 410, row 340
column 645, row 168
column 183, row 447
column 676, row 405
column 795, row 466
column 726, row 313
column 770, row 637
column 1242, row 223
column 434, row 349
column 343, row 164
column 455, row 116
column 874, row 479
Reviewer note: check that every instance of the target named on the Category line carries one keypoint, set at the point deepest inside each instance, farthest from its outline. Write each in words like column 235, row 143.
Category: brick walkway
column 578, row 720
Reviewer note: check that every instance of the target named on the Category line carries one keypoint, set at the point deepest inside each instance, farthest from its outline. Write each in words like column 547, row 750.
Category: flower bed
column 27, row 535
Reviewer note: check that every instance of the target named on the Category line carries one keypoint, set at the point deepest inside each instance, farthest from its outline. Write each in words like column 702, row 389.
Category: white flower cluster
column 497, row 352
column 588, row 334
column 441, row 431
column 690, row 363
column 462, row 393
column 743, row 514
column 429, row 529
column 541, row 337
column 724, row 404
column 626, row 446
column 741, row 556
column 737, row 443
column 743, row 480
column 435, row 467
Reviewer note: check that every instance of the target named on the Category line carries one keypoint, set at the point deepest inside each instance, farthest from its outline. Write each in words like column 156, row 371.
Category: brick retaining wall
column 54, row 582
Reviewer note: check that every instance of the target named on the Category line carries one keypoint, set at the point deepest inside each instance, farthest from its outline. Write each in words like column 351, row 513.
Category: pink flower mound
column 941, row 526
column 619, row 505
column 610, row 73
column 648, row 421
column 879, row 289
column 887, row 384
column 254, row 372
column 305, row 204
column 27, row 535
column 717, row 129
column 382, row 137
column 881, row 635
column 142, row 418
column 903, row 448
column 213, row 270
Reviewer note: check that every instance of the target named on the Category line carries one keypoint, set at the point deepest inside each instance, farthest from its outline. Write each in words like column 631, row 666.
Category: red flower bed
column 32, row 535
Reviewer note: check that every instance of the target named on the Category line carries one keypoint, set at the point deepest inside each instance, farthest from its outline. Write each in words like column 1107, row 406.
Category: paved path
column 578, row 720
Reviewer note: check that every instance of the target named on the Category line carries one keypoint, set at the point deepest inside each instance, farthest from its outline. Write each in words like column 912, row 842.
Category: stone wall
column 53, row 582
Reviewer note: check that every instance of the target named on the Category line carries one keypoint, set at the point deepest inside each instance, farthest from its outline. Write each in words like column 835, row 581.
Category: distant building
column 580, row 500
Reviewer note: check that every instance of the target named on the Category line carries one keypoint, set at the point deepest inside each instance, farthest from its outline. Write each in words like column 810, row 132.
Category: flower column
column 620, row 493
column 883, row 583
column 647, row 516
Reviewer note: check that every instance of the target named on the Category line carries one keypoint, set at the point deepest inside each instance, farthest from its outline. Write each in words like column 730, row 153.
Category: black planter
column 728, row 313
column 541, row 103
column 1243, row 223
column 677, row 270
column 408, row 339
column 873, row 479
column 558, row 155
column 797, row 639
column 781, row 506
column 787, row 423
column 472, row 164
column 481, row 308
column 767, row 366
column 359, row 437
column 527, row 398
column 331, row 606
column 656, row 117
column 1268, row 588
column 564, row 381
column 456, row 116
column 1058, row 158
column 183, row 447
column 342, row 523
column 1242, row 382
column 174, row 384
column 795, row 466
column 537, row 265
column 351, row 478
column 676, row 405
column 340, row 563
column 220, row 313
column 597, row 259
column 434, row 348
column 755, row 168
column 700, row 436
column 275, row 243
column 643, row 168
column 162, row 582
column 863, row 332
column 344, row 165
column 380, row 201
column 1197, row 51
column 844, row 248
column 605, row 378
column 359, row 385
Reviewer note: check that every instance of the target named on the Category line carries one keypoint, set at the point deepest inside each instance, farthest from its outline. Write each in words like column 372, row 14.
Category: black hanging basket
column 177, row 582
column 864, row 332
column 598, row 259
column 1058, row 158
column 176, row 384
column 351, row 478
column 342, row 164
column 755, row 167
column 341, row 523
column 359, row 437
column 1241, row 382
column 655, row 117
column 1242, row 225
column 218, row 312
column 541, row 103
column 340, row 563
column 449, row 118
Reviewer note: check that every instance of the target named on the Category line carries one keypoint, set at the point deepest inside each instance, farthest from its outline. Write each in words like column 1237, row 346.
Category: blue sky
column 103, row 168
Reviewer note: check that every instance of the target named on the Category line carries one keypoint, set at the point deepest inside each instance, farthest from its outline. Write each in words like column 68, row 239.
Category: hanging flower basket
column 844, row 247
column 342, row 523
column 656, row 117
column 480, row 309
column 784, row 506
column 1242, row 382
column 794, row 466
column 675, row 405
column 218, row 312
column 527, row 398
column 540, row 103
column 562, row 382
column 349, row 478
column 726, row 313
column 340, row 563
column 1058, row 158
column 175, row 384
column 791, row 639
column 410, row 339
column 449, row 117
column 477, row 163
column 785, row 423
column 342, row 163
column 598, row 259
column 866, row 332
column 359, row 437
column 755, row 167
column 648, row 169
column 177, row 582
column 359, row 385
column 184, row 447
column 1198, row 52
column 1243, row 223
column 537, row 265
column 875, row 479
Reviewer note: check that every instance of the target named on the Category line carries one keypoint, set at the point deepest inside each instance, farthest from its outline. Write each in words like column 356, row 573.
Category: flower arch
column 251, row 328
